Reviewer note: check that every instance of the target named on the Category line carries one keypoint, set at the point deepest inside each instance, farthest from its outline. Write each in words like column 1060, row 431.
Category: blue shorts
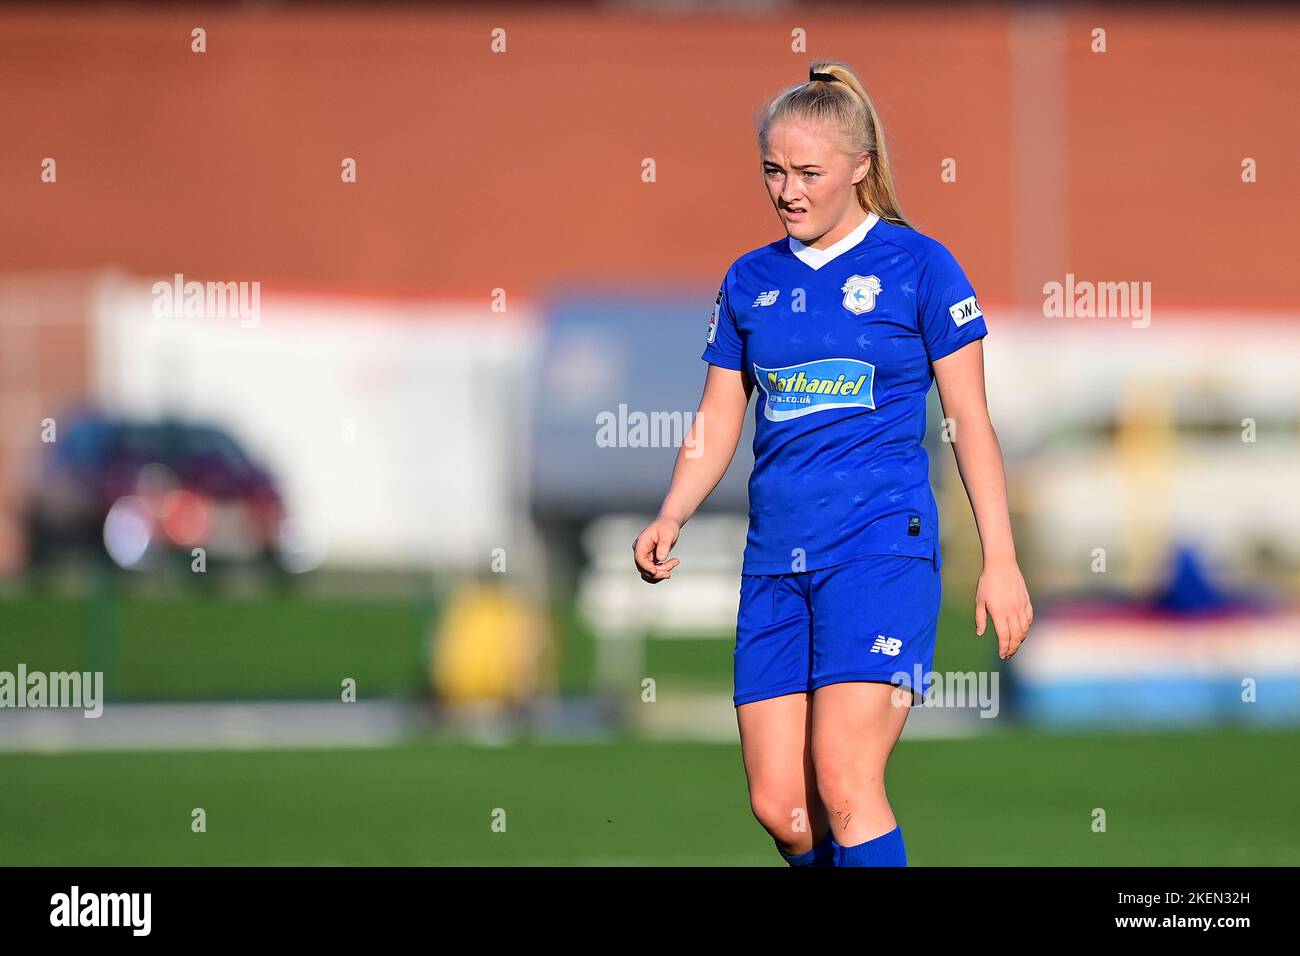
column 867, row 619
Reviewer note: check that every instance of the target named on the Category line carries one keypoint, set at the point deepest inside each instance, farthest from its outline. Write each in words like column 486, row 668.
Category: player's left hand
column 1001, row 595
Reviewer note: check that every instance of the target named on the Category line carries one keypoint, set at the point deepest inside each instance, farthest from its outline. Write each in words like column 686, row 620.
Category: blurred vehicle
column 137, row 491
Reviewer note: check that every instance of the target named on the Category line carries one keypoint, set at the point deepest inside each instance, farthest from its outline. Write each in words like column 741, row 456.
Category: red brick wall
column 480, row 170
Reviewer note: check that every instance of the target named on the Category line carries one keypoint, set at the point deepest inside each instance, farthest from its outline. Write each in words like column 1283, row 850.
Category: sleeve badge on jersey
column 965, row 311
column 712, row 334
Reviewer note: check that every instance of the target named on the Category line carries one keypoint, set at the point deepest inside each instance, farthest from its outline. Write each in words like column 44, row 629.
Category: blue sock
column 884, row 850
column 823, row 854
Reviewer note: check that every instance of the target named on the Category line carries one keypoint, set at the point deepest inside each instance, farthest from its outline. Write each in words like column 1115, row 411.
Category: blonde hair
column 842, row 104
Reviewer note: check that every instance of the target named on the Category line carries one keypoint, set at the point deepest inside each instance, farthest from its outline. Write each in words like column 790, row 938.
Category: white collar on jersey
column 819, row 257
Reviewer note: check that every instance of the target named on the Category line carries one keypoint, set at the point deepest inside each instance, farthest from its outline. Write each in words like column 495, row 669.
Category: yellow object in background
column 487, row 646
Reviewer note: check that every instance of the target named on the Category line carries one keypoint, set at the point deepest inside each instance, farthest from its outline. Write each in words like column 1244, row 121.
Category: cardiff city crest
column 860, row 293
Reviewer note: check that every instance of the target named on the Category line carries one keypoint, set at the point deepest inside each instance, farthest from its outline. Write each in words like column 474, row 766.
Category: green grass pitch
column 1211, row 798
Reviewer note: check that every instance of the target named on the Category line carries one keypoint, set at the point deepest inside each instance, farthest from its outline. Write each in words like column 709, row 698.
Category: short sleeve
column 949, row 314
column 723, row 345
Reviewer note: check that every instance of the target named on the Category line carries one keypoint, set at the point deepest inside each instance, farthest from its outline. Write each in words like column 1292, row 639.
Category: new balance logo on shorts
column 886, row 645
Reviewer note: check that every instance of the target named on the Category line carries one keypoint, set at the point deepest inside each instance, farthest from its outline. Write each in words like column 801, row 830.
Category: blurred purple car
column 136, row 490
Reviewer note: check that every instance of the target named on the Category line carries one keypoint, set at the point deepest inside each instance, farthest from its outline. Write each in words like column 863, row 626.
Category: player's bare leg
column 854, row 728
column 776, row 748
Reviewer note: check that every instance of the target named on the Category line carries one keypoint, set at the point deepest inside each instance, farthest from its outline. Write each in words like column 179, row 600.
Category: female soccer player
column 842, row 325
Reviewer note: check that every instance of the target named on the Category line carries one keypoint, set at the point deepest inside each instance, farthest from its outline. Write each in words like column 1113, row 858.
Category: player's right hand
column 651, row 548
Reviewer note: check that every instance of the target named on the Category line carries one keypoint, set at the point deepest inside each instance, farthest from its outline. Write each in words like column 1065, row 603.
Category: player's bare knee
column 841, row 784
column 780, row 814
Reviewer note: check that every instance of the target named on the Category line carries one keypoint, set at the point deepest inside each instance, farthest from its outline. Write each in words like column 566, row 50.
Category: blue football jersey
column 838, row 343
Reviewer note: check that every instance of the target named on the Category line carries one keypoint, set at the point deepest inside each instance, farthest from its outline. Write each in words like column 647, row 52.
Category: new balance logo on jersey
column 886, row 645
column 964, row 311
column 767, row 298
